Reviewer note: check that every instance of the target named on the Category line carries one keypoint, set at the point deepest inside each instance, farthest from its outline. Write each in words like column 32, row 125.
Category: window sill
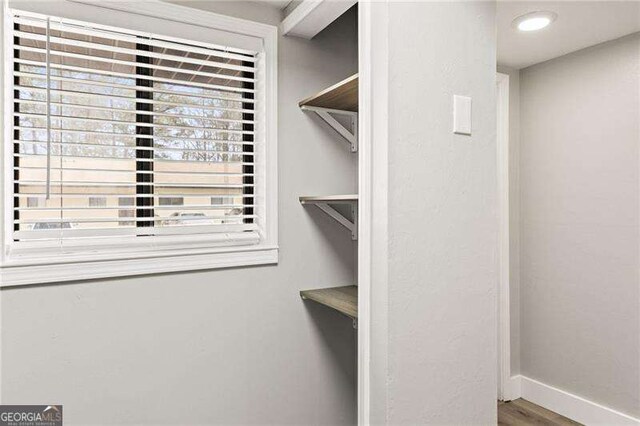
column 17, row 275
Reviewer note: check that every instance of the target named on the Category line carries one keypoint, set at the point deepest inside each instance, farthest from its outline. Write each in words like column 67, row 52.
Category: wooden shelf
column 342, row 96
column 330, row 199
column 342, row 299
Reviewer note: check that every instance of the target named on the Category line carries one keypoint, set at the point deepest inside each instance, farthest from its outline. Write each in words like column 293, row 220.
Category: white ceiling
column 580, row 24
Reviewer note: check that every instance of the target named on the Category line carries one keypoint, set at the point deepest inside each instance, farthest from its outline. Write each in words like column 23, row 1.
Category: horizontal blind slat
column 30, row 90
column 89, row 184
column 132, row 87
column 160, row 172
column 159, row 160
column 88, row 70
column 131, row 219
column 120, row 195
column 141, row 148
column 133, row 64
column 117, row 49
column 131, row 208
column 124, row 135
column 116, row 134
column 130, row 123
column 65, row 25
column 66, row 92
column 74, row 234
column 129, row 111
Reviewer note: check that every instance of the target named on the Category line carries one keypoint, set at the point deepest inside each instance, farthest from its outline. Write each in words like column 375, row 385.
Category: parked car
column 189, row 218
column 50, row 226
column 234, row 212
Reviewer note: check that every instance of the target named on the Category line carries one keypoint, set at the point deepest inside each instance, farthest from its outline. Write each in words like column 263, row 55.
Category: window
column 130, row 212
column 171, row 201
column 123, row 139
column 97, row 201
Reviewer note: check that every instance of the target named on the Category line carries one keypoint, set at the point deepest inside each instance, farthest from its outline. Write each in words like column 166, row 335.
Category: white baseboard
column 567, row 404
column 512, row 389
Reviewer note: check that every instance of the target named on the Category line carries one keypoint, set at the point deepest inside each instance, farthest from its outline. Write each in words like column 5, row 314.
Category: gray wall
column 234, row 346
column 579, row 174
column 442, row 264
column 514, row 214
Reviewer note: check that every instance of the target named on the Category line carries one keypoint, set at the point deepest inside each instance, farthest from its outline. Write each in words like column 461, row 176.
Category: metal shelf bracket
column 350, row 135
column 338, row 217
column 324, row 203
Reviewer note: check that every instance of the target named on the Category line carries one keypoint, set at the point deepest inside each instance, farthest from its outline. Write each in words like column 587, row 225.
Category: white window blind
column 154, row 128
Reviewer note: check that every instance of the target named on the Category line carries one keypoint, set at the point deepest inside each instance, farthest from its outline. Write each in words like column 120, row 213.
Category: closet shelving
column 326, row 203
column 342, row 299
column 339, row 100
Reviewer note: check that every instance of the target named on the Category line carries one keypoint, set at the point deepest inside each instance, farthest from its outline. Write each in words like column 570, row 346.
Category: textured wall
column 442, row 334
column 233, row 346
column 580, row 292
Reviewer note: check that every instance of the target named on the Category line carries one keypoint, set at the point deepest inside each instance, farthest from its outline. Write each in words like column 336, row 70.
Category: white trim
column 189, row 15
column 3, row 103
column 513, row 387
column 42, row 274
column 119, row 248
column 364, row 214
column 572, row 406
column 297, row 17
column 504, row 317
column 312, row 16
column 510, row 389
column 373, row 217
column 162, row 260
column 6, row 162
column 152, row 18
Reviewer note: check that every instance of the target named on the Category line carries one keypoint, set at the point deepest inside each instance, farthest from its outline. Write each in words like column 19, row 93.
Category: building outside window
column 171, row 201
column 97, row 201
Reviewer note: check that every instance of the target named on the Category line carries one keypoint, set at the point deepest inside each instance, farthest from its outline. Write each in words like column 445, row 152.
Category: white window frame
column 185, row 252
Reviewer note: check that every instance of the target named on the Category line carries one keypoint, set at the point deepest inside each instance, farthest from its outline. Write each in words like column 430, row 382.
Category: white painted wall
column 440, row 310
column 579, row 235
column 234, row 346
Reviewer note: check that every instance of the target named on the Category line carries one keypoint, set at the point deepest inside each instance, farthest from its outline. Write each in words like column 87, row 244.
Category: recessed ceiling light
column 534, row 21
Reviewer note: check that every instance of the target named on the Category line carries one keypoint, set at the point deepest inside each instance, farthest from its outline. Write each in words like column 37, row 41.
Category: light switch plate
column 461, row 115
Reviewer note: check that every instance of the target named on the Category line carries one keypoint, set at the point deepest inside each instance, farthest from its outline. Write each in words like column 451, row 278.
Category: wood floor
column 524, row 413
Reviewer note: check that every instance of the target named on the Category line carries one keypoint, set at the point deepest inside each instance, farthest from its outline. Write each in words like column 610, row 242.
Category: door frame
column 373, row 184
column 506, row 386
